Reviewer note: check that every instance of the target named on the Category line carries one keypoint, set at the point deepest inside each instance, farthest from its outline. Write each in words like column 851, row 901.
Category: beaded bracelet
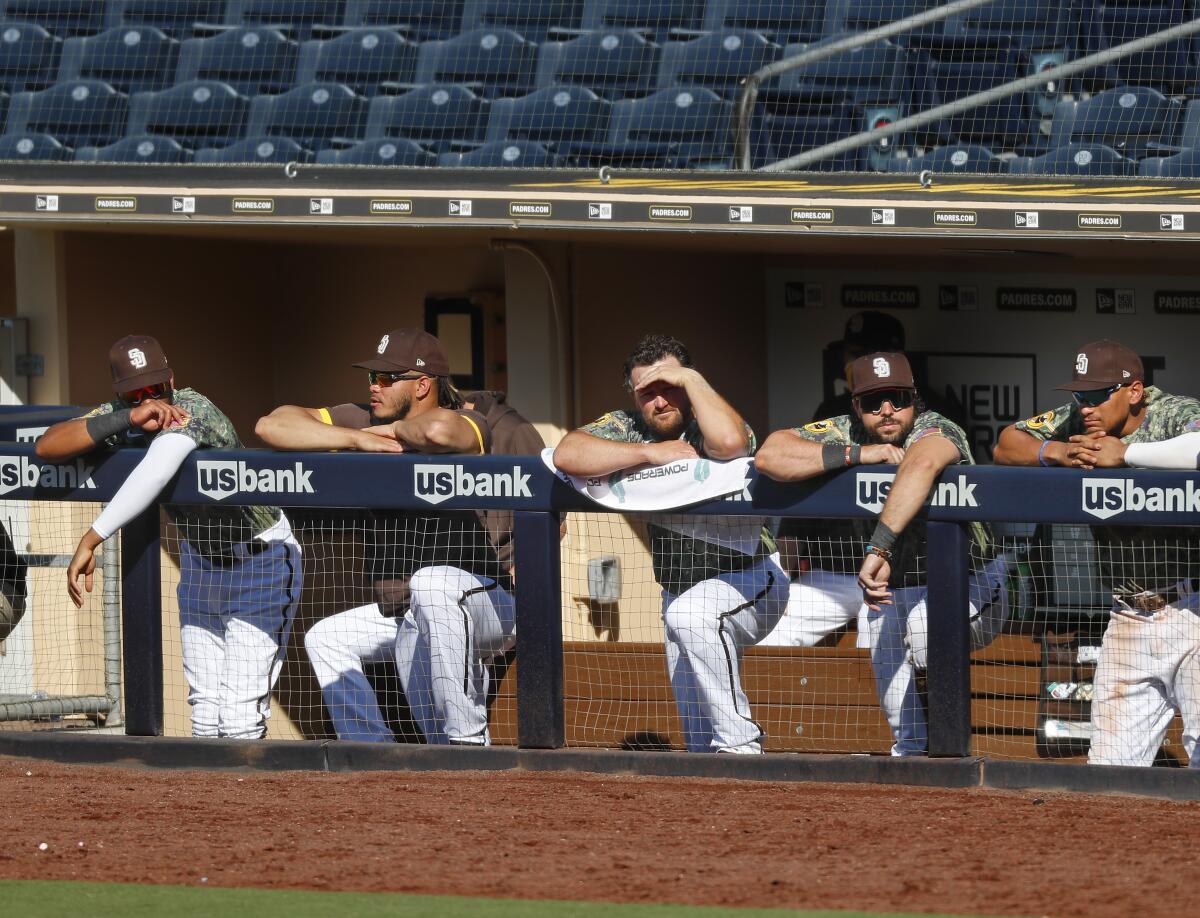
column 880, row 552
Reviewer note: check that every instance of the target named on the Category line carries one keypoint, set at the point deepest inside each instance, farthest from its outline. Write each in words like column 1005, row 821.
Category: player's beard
column 894, row 435
column 400, row 414
column 667, row 430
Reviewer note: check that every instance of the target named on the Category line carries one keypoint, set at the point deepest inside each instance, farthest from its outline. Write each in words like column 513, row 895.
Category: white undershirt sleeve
column 1182, row 452
column 162, row 460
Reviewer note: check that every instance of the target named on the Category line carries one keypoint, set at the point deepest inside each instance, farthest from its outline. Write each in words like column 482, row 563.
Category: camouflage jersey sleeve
column 834, row 431
column 615, row 425
column 207, row 426
column 932, row 424
column 1056, row 424
column 1167, row 417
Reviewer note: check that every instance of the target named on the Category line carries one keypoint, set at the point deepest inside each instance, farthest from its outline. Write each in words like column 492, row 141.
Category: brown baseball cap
column 409, row 349
column 1102, row 364
column 881, row 370
column 137, row 361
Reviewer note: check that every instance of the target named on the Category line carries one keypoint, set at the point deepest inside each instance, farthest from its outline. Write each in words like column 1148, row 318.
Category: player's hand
column 379, row 439
column 82, row 562
column 669, row 451
column 154, row 415
column 1083, row 450
column 873, row 578
column 881, row 453
column 1107, row 453
column 669, row 374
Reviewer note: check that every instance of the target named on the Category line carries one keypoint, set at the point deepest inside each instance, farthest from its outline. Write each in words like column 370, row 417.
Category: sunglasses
column 137, row 396
column 380, row 378
column 872, row 402
column 1094, row 398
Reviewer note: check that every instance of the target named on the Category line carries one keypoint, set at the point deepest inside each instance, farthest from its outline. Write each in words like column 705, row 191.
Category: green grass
column 62, row 899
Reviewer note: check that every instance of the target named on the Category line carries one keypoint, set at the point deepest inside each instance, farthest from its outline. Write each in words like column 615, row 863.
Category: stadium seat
column 256, row 150
column 380, row 151
column 423, row 20
column 1075, row 159
column 435, row 115
column 26, row 146
column 496, row 62
column 251, row 60
column 782, row 23
column 296, row 19
column 532, row 19
column 1181, row 165
column 178, row 18
column 128, row 58
column 315, row 115
column 513, row 154
column 63, row 18
column 144, row 148
column 875, row 74
column 673, row 128
column 657, row 18
column 1129, row 119
column 1170, row 67
column 29, row 57
column 199, row 113
column 554, row 117
column 719, row 61
column 1031, row 24
column 366, row 60
column 76, row 112
column 950, row 160
column 860, row 15
column 613, row 63
column 787, row 126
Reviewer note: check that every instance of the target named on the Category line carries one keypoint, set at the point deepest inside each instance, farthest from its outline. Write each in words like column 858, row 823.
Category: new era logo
column 322, row 206
column 183, row 205
column 1026, row 218
column 600, row 211
column 460, row 208
column 883, row 216
column 739, row 214
column 46, row 202
column 1172, row 222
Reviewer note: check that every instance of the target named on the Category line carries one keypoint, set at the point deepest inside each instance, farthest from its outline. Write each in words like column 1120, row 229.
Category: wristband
column 883, row 538
column 103, row 426
column 833, row 456
column 884, row 553
column 1042, row 455
column 853, row 454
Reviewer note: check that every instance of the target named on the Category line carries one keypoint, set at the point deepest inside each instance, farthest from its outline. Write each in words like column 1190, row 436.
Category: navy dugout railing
column 526, row 486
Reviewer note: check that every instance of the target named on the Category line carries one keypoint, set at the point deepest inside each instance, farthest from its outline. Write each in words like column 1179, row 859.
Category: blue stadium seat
column 1075, row 159
column 781, row 22
column 177, row 18
column 512, row 154
column 29, row 57
column 875, row 74
column 380, row 151
column 554, row 117
column 422, row 20
column 435, row 115
column 251, row 60
column 61, row 17
column 315, row 115
column 1031, row 24
column 719, row 61
column 613, row 63
column 77, row 112
column 673, row 128
column 497, row 62
column 657, row 18
column 957, row 158
column 532, row 19
column 129, row 58
column 366, row 60
column 256, row 150
column 1128, row 118
column 860, row 15
column 1170, row 67
column 1181, row 165
column 295, row 18
column 199, row 113
column 143, row 148
column 787, row 126
column 26, row 146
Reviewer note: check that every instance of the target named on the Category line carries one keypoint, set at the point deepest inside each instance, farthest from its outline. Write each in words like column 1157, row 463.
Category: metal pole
column 982, row 98
column 539, row 631
column 948, row 677
column 749, row 94
column 141, row 605
column 112, row 631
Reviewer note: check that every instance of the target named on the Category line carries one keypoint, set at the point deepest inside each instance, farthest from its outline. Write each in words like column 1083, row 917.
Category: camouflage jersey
column 211, row 531
column 681, row 561
column 1136, row 558
column 841, row 549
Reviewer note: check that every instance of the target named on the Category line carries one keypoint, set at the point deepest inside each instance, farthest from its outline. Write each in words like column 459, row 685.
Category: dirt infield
column 619, row 839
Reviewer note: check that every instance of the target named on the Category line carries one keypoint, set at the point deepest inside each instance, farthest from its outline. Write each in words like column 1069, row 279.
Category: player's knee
column 316, row 638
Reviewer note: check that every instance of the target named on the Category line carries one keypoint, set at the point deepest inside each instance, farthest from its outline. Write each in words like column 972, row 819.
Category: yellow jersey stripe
column 478, row 432
column 325, row 416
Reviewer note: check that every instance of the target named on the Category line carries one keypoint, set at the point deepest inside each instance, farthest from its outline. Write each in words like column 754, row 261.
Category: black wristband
column 103, row 426
column 883, row 537
column 833, row 456
column 854, row 456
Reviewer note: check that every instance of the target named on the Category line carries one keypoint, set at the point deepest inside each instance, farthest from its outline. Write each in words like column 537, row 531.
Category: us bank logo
column 20, row 472
column 435, row 483
column 1106, row 497
column 222, row 478
column 871, row 491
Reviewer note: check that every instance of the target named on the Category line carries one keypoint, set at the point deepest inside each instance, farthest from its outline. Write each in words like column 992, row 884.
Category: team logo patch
column 383, row 343
column 881, row 367
column 819, row 427
column 1042, row 420
column 137, row 357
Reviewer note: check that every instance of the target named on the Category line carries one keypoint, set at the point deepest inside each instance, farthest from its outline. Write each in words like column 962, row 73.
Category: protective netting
column 59, row 666
column 647, row 84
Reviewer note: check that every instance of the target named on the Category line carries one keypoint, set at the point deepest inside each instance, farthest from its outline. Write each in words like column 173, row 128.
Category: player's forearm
column 145, row 482
column 1182, row 452
column 1015, row 447
column 915, row 477
column 293, row 427
column 439, row 431
column 723, row 429
column 786, row 456
column 585, row 456
column 65, row 440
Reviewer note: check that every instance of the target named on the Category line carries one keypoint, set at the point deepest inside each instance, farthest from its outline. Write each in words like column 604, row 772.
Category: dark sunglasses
column 872, row 402
column 1094, row 398
column 146, row 393
column 380, row 378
